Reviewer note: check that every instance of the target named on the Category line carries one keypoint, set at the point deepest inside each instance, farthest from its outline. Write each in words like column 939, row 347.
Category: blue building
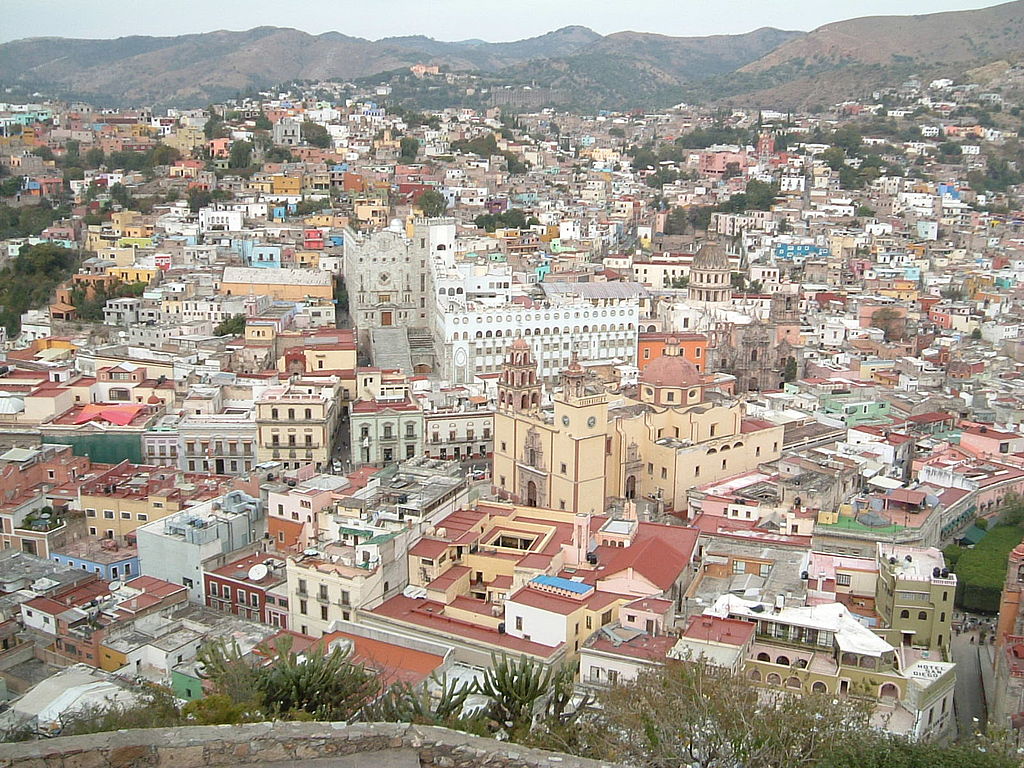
column 106, row 558
column 800, row 251
column 265, row 256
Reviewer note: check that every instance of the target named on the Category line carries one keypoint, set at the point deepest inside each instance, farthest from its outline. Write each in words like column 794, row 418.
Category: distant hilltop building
column 425, row 69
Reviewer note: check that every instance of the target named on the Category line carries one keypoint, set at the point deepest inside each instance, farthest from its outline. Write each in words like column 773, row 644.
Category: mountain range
column 572, row 66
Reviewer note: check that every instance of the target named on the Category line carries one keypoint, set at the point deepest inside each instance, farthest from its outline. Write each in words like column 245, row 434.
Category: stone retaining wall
column 259, row 743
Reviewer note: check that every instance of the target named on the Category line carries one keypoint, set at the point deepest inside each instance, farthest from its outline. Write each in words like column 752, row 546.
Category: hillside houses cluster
column 463, row 383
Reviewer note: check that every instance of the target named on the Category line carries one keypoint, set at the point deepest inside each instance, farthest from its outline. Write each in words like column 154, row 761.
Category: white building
column 177, row 548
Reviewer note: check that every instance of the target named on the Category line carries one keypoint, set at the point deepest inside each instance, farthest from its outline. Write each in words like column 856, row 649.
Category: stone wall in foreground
column 260, row 743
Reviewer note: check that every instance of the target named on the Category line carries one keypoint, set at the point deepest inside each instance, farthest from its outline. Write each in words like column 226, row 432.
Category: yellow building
column 133, row 274
column 286, row 185
column 186, row 139
column 296, row 423
column 668, row 439
column 280, row 284
column 543, row 461
column 119, row 500
column 325, row 589
column 673, row 437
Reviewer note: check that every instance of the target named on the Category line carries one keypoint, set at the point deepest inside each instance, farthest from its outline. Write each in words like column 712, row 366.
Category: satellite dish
column 258, row 572
column 115, row 585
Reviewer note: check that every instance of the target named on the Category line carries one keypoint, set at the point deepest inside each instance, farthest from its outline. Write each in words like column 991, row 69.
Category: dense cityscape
column 593, row 431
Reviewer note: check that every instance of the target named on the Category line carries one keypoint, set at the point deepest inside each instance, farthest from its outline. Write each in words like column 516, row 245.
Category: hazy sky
column 442, row 19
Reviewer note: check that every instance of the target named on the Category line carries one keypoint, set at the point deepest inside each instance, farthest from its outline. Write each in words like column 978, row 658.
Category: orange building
column 651, row 345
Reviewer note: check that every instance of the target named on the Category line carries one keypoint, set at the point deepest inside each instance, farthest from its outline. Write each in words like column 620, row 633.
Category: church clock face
column 592, row 421
column 565, row 420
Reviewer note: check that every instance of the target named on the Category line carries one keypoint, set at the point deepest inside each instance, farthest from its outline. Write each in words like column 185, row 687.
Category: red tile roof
column 713, row 629
column 430, row 615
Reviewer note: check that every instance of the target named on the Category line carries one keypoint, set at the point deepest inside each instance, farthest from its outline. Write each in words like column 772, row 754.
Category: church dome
column 670, row 371
column 711, row 256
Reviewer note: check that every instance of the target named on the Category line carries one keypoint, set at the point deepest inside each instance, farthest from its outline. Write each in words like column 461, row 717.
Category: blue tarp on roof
column 559, row 583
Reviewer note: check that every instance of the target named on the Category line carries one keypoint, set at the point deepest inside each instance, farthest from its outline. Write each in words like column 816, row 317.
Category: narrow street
column 969, row 695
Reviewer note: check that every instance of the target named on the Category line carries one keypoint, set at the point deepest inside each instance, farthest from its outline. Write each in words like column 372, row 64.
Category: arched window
column 755, row 675
column 774, row 679
column 793, row 682
column 762, row 656
column 922, row 615
column 819, row 687
column 904, row 614
column 889, row 692
column 782, row 660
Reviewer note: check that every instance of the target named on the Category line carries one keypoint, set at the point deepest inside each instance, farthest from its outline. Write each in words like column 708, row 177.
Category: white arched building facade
column 475, row 341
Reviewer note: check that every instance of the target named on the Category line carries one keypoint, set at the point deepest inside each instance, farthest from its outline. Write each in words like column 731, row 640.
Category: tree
column 241, row 154
column 513, row 218
column 790, row 371
column 514, row 687
column 949, row 149
column 154, row 707
column 198, row 198
column 29, row 279
column 44, row 152
column 976, row 334
column 677, row 222
column 616, row 132
column 848, row 137
column 94, row 158
column 315, row 134
column 695, row 714
column 440, row 702
column 890, row 321
column 119, row 194
column 952, row 293
column 232, row 326
column 325, row 686
column 72, row 150
column 162, row 154
column 314, row 685
column 760, row 195
column 11, row 186
column 278, row 155
column 432, row 203
column 873, row 750
column 834, row 158
column 410, row 147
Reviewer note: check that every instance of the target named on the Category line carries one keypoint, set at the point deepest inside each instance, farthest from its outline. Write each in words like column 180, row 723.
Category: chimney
column 580, row 538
